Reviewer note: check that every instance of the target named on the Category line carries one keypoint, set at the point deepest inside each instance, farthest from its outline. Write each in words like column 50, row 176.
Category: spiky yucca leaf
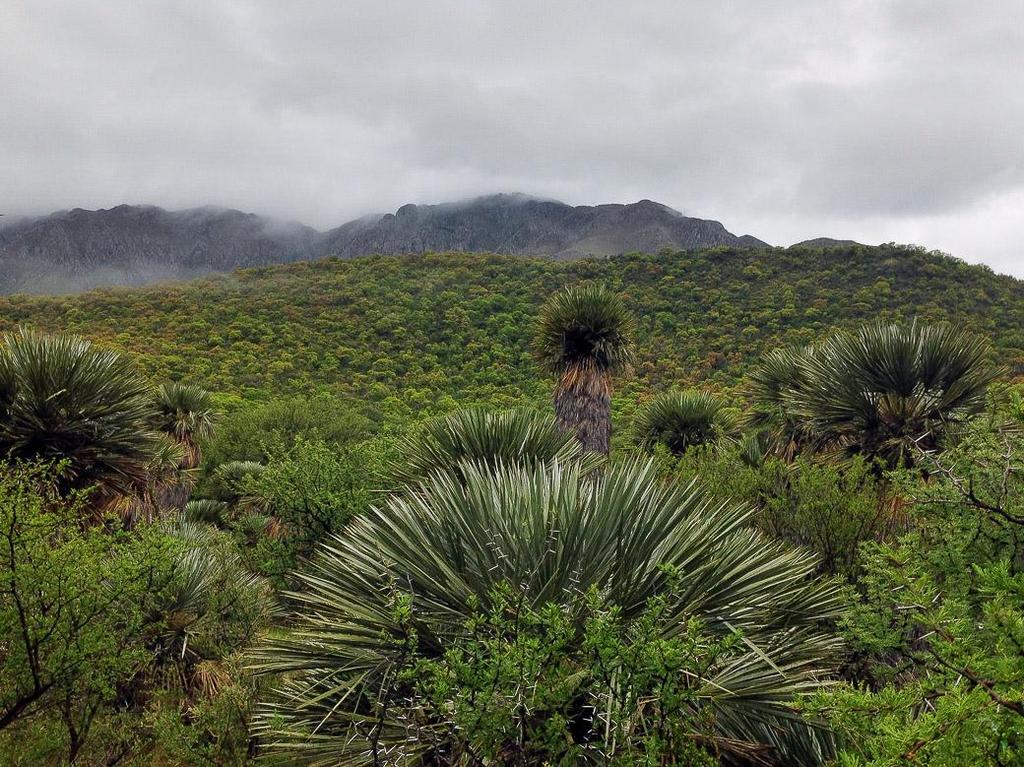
column 186, row 412
column 584, row 327
column 213, row 604
column 230, row 479
column 506, row 437
column 890, row 389
column 205, row 510
column 779, row 377
column 65, row 400
column 584, row 338
column 551, row 532
column 680, row 420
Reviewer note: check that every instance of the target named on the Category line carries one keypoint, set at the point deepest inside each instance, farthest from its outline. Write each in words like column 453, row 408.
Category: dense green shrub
column 939, row 628
column 826, row 507
column 252, row 432
column 76, row 606
column 306, row 492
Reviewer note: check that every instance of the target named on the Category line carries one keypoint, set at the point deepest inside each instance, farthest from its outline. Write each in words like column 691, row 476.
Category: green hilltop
column 419, row 334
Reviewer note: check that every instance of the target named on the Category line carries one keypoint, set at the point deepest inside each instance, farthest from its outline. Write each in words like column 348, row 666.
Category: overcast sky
column 875, row 121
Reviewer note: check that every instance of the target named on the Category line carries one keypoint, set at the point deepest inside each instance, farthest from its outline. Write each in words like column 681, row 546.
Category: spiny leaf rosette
column 584, row 338
column 887, row 391
column 549, row 533
column 680, row 420
column 504, row 437
column 186, row 413
column 64, row 400
column 774, row 382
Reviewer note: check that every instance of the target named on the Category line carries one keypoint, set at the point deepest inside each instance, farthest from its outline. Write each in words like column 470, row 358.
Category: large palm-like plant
column 185, row 414
column 63, row 400
column 888, row 390
column 681, row 420
column 505, row 437
column 551, row 532
column 584, row 338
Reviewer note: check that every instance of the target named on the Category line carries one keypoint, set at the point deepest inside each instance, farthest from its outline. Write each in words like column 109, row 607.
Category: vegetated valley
column 732, row 506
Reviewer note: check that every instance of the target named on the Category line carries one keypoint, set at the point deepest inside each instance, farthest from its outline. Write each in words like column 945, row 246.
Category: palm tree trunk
column 583, row 406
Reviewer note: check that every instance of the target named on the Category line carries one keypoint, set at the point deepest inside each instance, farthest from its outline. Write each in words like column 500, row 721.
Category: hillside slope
column 417, row 334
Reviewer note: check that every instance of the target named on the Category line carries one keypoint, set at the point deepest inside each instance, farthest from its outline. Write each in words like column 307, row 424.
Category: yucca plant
column 230, row 481
column 205, row 612
column 549, row 533
column 584, row 339
column 772, row 386
column 185, row 412
column 206, row 511
column 506, row 437
column 680, row 420
column 889, row 391
column 63, row 400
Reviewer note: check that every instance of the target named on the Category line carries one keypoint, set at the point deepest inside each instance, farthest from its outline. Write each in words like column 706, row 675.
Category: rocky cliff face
column 522, row 226
column 79, row 249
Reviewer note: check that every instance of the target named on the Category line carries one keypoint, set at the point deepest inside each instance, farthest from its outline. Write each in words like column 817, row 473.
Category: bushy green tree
column 75, row 606
column 939, row 628
column 518, row 686
column 305, row 492
column 829, row 508
column 250, row 432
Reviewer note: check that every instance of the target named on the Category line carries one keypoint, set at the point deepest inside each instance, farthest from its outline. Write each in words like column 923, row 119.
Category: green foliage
column 75, row 606
column 252, row 433
column 63, row 400
column 420, row 336
column 212, row 605
column 185, row 412
column 680, row 420
column 309, row 490
column 827, row 508
column 552, row 532
column 230, row 481
column 940, row 626
column 521, row 684
column 120, row 646
column 502, row 607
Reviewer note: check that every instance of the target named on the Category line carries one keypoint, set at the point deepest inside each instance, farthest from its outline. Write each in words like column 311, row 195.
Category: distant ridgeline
column 418, row 334
column 71, row 251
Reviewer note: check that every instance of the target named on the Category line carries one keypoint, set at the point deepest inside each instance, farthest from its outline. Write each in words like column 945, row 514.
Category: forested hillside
column 415, row 333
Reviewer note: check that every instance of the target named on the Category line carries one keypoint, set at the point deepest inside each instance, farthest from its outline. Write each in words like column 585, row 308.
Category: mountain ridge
column 77, row 249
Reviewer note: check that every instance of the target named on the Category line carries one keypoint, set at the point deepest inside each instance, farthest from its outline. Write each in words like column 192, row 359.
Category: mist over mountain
column 75, row 250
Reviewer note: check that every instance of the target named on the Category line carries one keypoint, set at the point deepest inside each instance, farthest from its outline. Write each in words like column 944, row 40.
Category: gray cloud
column 898, row 120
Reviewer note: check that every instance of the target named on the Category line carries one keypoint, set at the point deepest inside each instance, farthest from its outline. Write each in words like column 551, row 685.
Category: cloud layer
column 890, row 120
